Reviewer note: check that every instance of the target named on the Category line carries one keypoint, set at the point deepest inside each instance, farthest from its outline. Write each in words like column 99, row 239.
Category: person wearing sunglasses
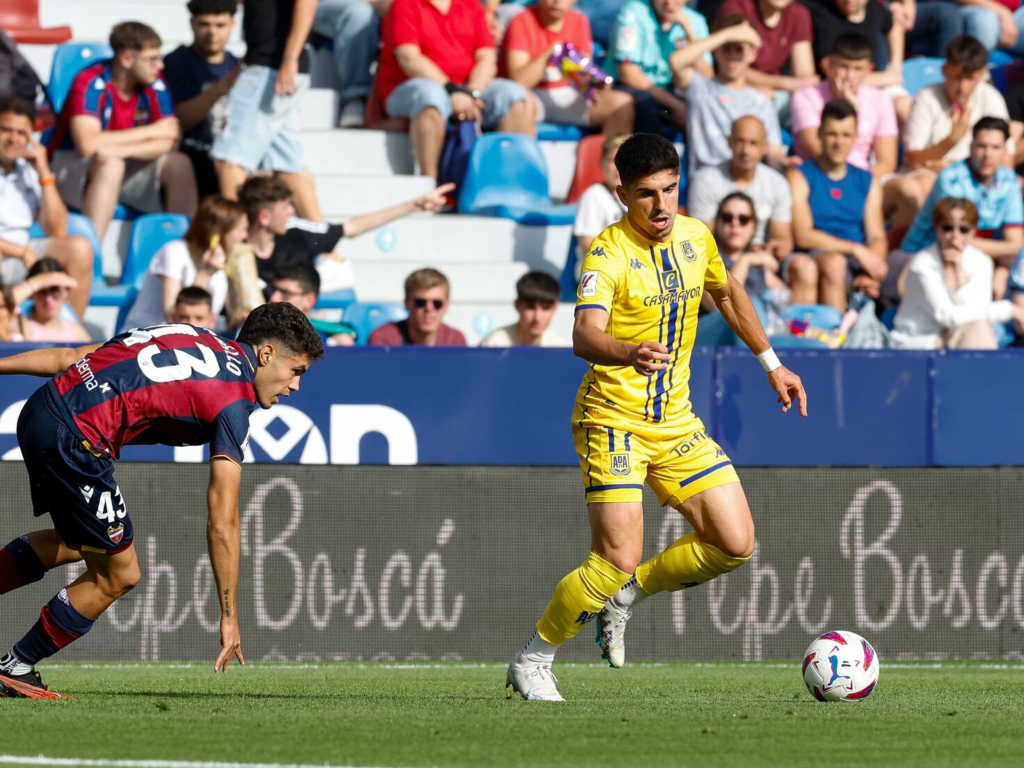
column 427, row 297
column 947, row 296
column 45, row 321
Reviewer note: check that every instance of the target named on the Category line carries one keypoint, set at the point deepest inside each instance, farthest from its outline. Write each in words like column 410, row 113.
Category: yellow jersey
column 651, row 292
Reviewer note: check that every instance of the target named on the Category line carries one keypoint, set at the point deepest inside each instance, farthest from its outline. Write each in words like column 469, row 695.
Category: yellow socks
column 686, row 563
column 578, row 597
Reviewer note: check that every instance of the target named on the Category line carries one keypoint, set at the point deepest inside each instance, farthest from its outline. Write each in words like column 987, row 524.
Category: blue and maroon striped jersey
column 168, row 385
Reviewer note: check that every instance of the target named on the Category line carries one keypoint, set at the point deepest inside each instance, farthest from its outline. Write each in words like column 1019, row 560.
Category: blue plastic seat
column 789, row 341
column 508, row 178
column 336, row 299
column 556, row 132
column 366, row 318
column 888, row 318
column 922, row 72
column 68, row 60
column 818, row 315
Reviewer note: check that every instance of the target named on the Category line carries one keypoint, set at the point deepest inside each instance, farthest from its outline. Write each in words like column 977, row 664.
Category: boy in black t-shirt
column 200, row 76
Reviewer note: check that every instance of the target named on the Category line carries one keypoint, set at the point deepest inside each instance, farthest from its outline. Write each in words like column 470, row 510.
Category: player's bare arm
column 223, row 537
column 592, row 342
column 735, row 305
column 44, row 362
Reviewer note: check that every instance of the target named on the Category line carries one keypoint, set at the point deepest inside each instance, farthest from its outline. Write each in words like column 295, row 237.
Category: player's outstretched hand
column 649, row 358
column 231, row 644
column 789, row 388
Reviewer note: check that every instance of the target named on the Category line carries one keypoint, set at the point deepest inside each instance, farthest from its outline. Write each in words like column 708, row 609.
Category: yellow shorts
column 616, row 460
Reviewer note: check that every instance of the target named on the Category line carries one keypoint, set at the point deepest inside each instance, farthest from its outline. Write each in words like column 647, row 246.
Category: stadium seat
column 82, row 227
column 366, row 318
column 922, row 72
column 588, row 166
column 789, row 341
column 149, row 234
column 336, row 299
column 817, row 315
column 888, row 317
column 377, row 119
column 555, row 132
column 999, row 59
column 68, row 60
column 20, row 20
column 508, row 178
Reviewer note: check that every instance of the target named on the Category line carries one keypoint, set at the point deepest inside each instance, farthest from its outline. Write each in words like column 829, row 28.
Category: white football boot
column 532, row 679
column 611, row 634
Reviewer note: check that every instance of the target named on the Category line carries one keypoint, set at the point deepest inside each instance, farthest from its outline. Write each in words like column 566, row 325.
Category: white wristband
column 769, row 360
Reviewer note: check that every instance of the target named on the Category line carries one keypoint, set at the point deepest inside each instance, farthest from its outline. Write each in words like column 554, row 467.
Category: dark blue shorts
column 69, row 483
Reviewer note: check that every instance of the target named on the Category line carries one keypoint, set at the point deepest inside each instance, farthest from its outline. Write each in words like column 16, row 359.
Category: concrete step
column 358, row 151
column 347, row 195
column 450, row 238
column 473, row 283
column 320, row 110
column 92, row 20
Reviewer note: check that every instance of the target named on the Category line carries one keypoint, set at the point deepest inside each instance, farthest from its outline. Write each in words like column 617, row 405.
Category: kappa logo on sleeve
column 588, row 285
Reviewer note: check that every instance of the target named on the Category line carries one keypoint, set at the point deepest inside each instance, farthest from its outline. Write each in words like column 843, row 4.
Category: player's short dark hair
column 282, row 324
column 133, row 36
column 304, row 274
column 853, row 46
column 538, row 286
column 259, row 192
column 46, row 265
column 992, row 124
column 193, row 296
column 838, row 109
column 18, row 106
column 966, row 52
column 644, row 154
column 202, row 7
column 728, row 20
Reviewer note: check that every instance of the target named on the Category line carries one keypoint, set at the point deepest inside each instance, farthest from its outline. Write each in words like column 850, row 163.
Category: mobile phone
column 214, row 242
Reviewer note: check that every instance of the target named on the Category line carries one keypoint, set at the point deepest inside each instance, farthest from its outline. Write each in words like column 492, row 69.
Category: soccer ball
column 840, row 666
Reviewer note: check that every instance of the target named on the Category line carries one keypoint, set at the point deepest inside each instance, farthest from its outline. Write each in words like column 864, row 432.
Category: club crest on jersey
column 618, row 464
column 116, row 534
column 670, row 280
column 688, row 253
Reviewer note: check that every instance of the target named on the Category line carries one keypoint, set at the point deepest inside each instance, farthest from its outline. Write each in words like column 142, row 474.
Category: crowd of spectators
column 821, row 176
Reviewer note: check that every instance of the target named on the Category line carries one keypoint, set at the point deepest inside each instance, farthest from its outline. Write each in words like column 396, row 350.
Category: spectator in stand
column 10, row 316
column 12, row 297
column 529, row 41
column 784, row 27
column 837, row 218
column 48, row 319
column 947, row 298
column 645, row 34
column 354, row 28
column 116, row 139
column 28, row 193
column 299, row 285
column 931, row 25
column 745, row 172
column 993, row 190
column 715, row 104
column 438, row 61
column 200, row 77
column 194, row 306
column 427, row 299
column 537, row 295
column 753, row 266
column 197, row 259
column 599, row 205
column 263, row 128
column 869, row 20
column 279, row 238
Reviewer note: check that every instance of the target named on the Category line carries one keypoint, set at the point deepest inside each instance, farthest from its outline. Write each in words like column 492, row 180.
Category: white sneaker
column 611, row 634
column 353, row 114
column 533, row 680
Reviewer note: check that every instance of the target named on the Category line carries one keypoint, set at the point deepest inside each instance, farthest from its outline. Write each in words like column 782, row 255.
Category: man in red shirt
column 427, row 299
column 438, row 61
column 117, row 136
column 529, row 42
column 785, row 30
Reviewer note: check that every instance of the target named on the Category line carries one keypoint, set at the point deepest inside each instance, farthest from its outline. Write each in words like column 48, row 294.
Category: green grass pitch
column 674, row 714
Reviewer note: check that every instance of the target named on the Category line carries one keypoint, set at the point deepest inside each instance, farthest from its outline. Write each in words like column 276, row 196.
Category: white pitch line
column 75, row 761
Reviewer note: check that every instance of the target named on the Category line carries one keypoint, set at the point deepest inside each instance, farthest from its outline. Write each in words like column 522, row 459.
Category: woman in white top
column 599, row 207
column 947, row 297
column 198, row 260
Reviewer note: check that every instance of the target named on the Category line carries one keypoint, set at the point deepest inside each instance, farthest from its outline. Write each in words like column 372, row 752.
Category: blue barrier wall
column 513, row 407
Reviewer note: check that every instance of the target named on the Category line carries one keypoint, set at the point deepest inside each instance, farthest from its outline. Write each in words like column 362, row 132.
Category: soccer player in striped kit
column 169, row 385
column 636, row 319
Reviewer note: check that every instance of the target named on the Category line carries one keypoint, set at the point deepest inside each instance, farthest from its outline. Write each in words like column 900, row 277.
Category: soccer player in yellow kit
column 636, row 318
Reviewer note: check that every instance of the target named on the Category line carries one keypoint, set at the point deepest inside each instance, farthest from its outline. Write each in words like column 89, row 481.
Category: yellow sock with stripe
column 578, row 597
column 687, row 563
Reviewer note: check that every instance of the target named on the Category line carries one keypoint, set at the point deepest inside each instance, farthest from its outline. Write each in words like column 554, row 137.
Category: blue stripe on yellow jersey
column 651, row 291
